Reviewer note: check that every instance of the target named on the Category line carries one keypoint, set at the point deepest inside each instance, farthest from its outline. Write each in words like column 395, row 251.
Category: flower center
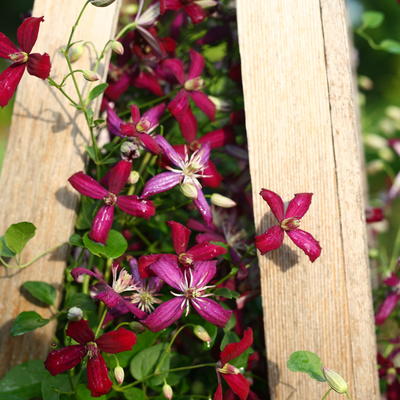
column 143, row 125
column 194, row 292
column 110, row 199
column 185, row 259
column 229, row 369
column 194, row 84
column 91, row 348
column 290, row 224
column 123, row 283
column 20, row 57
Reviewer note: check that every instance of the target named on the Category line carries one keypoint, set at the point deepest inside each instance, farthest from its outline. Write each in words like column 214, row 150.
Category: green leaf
column 115, row 247
column 111, row 160
column 391, row 46
column 84, row 220
column 229, row 294
column 212, row 330
column 97, row 91
column 134, row 394
column 27, row 321
column 42, row 291
column 305, row 361
column 83, row 393
column 18, row 235
column 24, row 380
column 98, row 122
column 231, row 323
column 76, row 240
column 82, row 301
column 90, row 114
column 52, row 386
column 91, row 153
column 372, row 19
column 5, row 251
column 229, row 337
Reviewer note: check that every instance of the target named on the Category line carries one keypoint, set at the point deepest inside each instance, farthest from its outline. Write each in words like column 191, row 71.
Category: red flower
column 97, row 373
column 289, row 222
column 37, row 64
column 236, row 381
column 191, row 7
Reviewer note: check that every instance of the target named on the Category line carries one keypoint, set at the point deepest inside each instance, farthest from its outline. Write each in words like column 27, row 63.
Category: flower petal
column 137, row 312
column 275, row 203
column 168, row 271
column 165, row 314
column 394, row 190
column 299, row 205
column 160, row 183
column 168, row 151
column 206, row 251
column 97, row 375
column 119, row 175
column 153, row 42
column 196, row 66
column 87, row 186
column 101, row 224
column 218, row 393
column 180, row 236
column 109, row 297
column 154, row 114
column 204, row 208
column 146, row 261
column 138, row 208
column 116, row 341
column 135, row 113
column 9, row 80
column 115, row 90
column 39, row 65
column 170, row 5
column 203, row 271
column 150, row 144
column 392, row 280
column 306, row 242
column 113, row 122
column 239, row 384
column 28, row 32
column 204, row 103
column 80, row 331
column 219, row 137
column 234, row 350
column 212, row 311
column 188, row 125
column 179, row 105
column 175, row 66
column 373, row 214
column 145, row 80
column 212, row 177
column 195, row 12
column 64, row 359
column 269, row 240
column 386, row 308
column 7, row 47
column 78, row 271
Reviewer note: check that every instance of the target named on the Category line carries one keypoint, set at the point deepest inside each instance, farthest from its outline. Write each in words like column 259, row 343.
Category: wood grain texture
column 45, row 148
column 302, row 132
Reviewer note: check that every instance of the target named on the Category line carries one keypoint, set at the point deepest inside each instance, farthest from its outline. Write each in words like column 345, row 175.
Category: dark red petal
column 195, row 12
column 392, row 280
column 97, row 375
column 239, row 384
column 206, row 251
column 135, row 113
column 150, row 144
column 275, row 203
column 175, row 66
column 116, row 341
column 180, row 236
column 306, row 242
column 80, row 331
column 374, row 214
column 145, row 80
column 39, row 65
column 188, row 125
column 299, row 205
column 101, row 224
column 196, row 66
column 218, row 393
column 146, row 261
column 138, row 208
column 204, row 103
column 153, row 42
column 63, row 360
column 212, row 177
column 128, row 129
column 170, row 5
column 269, row 240
column 115, row 90
column 119, row 176
column 219, row 137
column 28, row 32
column 7, row 47
column 9, row 80
column 87, row 186
column 386, row 308
column 234, row 350
column 179, row 105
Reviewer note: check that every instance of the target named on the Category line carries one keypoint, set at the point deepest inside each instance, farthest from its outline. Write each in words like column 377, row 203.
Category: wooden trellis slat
column 302, row 132
column 45, row 147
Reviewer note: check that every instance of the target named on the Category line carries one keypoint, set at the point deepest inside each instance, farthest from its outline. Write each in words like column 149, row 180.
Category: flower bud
column 90, row 75
column 335, row 381
column 75, row 314
column 133, row 178
column 117, row 47
column 167, row 391
column 119, row 374
column 201, row 333
column 206, row 3
column 365, row 83
column 101, row 3
column 221, row 105
column 393, row 112
column 129, row 151
column 76, row 53
column 194, row 84
column 222, row 201
column 137, row 327
column 189, row 190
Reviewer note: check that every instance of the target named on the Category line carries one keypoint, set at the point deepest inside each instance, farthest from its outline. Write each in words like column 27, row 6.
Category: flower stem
column 100, row 323
column 348, row 395
column 326, row 394
column 75, row 26
column 395, row 253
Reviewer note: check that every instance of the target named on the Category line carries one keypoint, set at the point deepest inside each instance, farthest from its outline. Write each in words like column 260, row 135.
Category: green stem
column 245, row 255
column 125, row 29
column 100, row 323
column 66, row 76
column 76, row 24
column 396, row 251
column 107, row 274
column 368, row 39
column 326, row 394
column 173, row 208
column 121, row 324
column 150, row 103
column 32, row 261
column 140, row 234
column 348, row 395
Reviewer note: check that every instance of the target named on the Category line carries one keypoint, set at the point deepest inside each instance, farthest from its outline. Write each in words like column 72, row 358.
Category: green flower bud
column 133, row 178
column 202, row 334
column 76, row 53
column 335, row 381
column 137, row 327
column 167, row 391
column 222, row 201
column 75, row 314
column 90, row 75
column 119, row 374
column 117, row 47
column 189, row 190
column 101, row 3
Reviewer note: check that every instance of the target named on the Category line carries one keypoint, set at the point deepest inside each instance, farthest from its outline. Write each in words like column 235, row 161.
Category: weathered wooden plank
column 45, row 148
column 301, row 124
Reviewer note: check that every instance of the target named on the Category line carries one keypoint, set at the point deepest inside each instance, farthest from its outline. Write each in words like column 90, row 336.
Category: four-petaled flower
column 192, row 284
column 37, row 64
column 99, row 383
column 289, row 222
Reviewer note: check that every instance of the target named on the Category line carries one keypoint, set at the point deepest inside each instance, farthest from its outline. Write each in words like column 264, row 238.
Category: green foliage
column 84, row 220
column 4, row 250
column 229, row 294
column 18, row 235
column 229, row 337
column 52, row 386
column 115, row 247
column 372, row 19
column 305, row 361
column 96, row 92
column 41, row 291
column 134, row 394
column 391, row 46
column 83, row 393
column 27, row 321
column 76, row 240
column 82, row 301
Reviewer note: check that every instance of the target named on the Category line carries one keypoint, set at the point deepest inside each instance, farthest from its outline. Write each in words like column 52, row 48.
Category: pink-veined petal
column 386, row 308
column 188, row 125
column 239, row 385
column 170, row 5
column 113, row 122
column 133, row 206
column 203, row 271
column 206, row 251
column 168, row 271
column 119, row 176
column 39, row 65
column 9, row 80
column 101, row 224
column 78, row 271
column 160, row 183
column 306, row 242
column 179, row 105
column 218, row 393
column 270, row 240
column 168, row 151
column 80, row 331
column 180, row 236
column 137, row 312
column 299, row 205
column 392, row 280
column 64, row 359
column 219, row 137
column 234, row 350
column 175, row 66
column 275, row 203
column 145, row 80
column 154, row 114
column 153, row 42
column 165, row 314
column 7, row 47
column 212, row 311
column 204, row 153
column 212, row 178
column 204, row 103
column 196, row 66
column 150, row 144
column 135, row 113
column 28, row 32
column 99, row 382
column 195, row 12
column 109, row 297
column 146, row 261
column 87, row 186
column 116, row 341
column 203, row 207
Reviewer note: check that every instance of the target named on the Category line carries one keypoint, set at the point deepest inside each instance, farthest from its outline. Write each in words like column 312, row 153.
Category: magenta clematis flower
column 289, row 222
column 236, row 381
column 37, row 64
column 141, row 128
column 180, row 237
column 185, row 175
column 111, row 295
column 390, row 301
column 99, row 383
column 193, row 8
column 103, row 220
column 192, row 284
column 374, row 214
